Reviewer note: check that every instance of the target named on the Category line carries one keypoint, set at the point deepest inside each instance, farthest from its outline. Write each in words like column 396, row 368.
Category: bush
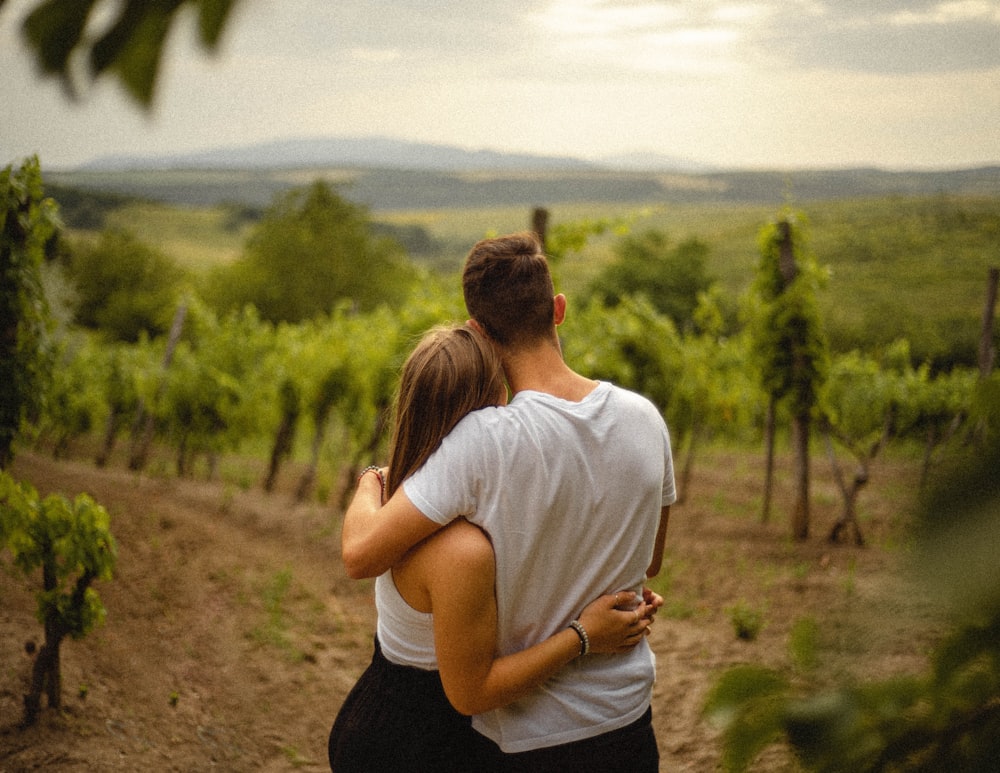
column 71, row 543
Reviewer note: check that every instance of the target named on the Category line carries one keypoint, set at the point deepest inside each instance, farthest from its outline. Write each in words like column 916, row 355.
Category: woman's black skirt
column 397, row 718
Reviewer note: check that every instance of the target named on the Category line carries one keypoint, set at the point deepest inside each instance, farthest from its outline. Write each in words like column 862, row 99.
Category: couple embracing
column 494, row 525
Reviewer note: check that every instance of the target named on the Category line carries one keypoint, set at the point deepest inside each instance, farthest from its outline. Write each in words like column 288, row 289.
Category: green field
column 195, row 238
column 911, row 263
column 914, row 267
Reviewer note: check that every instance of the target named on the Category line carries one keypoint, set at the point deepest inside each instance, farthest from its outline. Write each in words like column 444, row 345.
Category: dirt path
column 233, row 634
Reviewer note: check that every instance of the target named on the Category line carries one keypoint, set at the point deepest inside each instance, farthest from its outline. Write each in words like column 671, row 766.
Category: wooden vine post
column 142, row 437
column 987, row 352
column 801, row 415
column 540, row 225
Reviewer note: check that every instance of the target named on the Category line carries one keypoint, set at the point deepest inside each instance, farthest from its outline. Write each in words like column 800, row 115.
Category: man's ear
column 474, row 324
column 559, row 302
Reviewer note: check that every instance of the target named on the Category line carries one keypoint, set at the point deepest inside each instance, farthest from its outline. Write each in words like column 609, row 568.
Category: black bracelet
column 577, row 626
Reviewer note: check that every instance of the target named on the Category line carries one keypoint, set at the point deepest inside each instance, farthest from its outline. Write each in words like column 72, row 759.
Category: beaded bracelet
column 577, row 626
column 378, row 471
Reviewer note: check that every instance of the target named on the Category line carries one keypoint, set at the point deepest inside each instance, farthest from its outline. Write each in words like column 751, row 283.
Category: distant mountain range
column 386, row 174
column 379, row 153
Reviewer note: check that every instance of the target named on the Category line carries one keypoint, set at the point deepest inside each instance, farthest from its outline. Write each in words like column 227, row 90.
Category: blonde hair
column 453, row 370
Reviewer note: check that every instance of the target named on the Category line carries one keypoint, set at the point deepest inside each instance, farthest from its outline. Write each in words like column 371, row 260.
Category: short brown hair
column 452, row 370
column 508, row 289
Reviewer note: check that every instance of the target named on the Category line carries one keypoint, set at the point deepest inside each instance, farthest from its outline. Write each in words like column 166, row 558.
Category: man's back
column 570, row 493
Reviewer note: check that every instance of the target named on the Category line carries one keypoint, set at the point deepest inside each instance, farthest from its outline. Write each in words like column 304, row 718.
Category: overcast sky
column 771, row 83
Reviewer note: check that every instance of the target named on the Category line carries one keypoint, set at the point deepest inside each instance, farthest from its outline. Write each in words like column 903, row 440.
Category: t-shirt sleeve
column 669, row 485
column 444, row 487
column 425, row 501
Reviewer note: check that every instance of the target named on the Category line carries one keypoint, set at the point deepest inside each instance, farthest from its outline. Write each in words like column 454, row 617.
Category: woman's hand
column 617, row 622
column 653, row 602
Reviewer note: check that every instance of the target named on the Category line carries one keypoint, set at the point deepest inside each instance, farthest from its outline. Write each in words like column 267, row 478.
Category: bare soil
column 233, row 634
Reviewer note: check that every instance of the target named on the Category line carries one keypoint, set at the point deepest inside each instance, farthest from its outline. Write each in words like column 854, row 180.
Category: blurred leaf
column 54, row 29
column 749, row 703
column 134, row 44
column 739, row 686
column 131, row 48
column 212, row 20
column 964, row 648
column 959, row 536
column 821, row 724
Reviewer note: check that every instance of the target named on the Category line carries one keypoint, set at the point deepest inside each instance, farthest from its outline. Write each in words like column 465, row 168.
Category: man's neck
column 542, row 369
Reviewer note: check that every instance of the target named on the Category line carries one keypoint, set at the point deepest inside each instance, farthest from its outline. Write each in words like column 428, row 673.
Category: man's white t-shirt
column 570, row 494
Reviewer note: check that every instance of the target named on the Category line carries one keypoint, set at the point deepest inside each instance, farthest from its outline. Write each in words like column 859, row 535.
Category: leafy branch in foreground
column 947, row 719
column 131, row 47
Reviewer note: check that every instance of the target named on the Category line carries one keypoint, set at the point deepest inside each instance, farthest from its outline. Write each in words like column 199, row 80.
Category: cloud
column 719, row 36
column 897, row 38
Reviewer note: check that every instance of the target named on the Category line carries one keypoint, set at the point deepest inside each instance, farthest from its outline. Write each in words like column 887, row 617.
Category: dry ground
column 233, row 633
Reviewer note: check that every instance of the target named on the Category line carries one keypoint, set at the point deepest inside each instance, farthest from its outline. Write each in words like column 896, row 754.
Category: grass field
column 197, row 238
column 912, row 267
column 899, row 267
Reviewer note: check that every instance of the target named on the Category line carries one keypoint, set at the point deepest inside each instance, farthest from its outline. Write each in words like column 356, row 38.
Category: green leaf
column 54, row 29
column 738, row 687
column 212, row 20
column 963, row 649
column 134, row 44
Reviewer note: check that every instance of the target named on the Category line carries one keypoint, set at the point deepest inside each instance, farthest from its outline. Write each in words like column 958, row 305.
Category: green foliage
column 748, row 702
column 414, row 238
column 86, row 210
column 219, row 383
column 717, row 392
column 631, row 344
column 225, row 386
column 670, row 277
column 786, row 327
column 129, row 47
column 27, row 221
column 311, row 250
column 985, row 407
column 803, row 643
column 73, row 402
column 572, row 236
column 71, row 543
column 947, row 719
column 125, row 288
column 959, row 534
column 860, row 395
column 908, row 267
column 747, row 620
column 118, row 368
column 933, row 405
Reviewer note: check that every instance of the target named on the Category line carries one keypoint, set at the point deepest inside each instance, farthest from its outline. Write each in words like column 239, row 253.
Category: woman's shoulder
column 462, row 545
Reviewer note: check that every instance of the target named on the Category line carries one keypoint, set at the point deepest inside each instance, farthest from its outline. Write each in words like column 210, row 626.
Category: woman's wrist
column 376, row 473
column 581, row 633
